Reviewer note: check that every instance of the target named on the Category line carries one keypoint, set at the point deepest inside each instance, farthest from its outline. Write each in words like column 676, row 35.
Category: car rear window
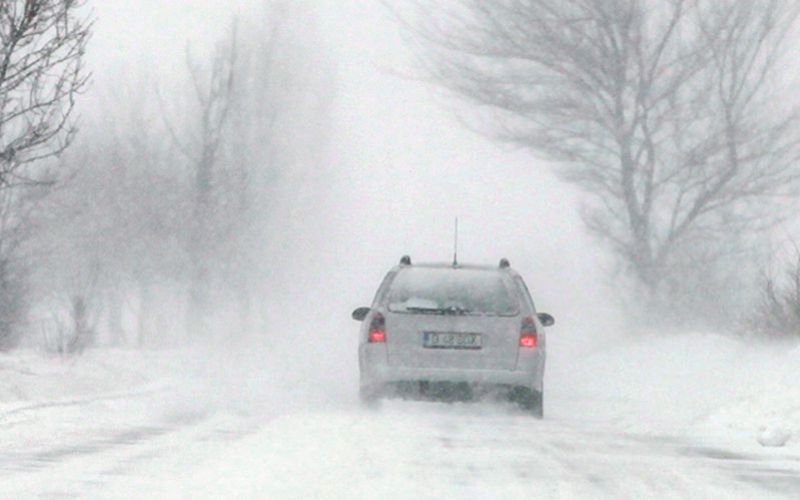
column 452, row 290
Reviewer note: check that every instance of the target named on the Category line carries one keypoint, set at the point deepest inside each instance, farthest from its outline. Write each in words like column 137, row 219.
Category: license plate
column 455, row 340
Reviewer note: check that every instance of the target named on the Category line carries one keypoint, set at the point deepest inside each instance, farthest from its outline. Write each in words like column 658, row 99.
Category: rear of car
column 443, row 324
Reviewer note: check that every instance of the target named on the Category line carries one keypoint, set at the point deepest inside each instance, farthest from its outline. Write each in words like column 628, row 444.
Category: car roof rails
column 405, row 260
column 504, row 263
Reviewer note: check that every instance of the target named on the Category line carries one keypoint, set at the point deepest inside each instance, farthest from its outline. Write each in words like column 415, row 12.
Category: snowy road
column 68, row 448
column 651, row 418
column 110, row 447
column 422, row 450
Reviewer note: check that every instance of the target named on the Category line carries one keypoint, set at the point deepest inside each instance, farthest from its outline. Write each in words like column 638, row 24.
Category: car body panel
column 499, row 341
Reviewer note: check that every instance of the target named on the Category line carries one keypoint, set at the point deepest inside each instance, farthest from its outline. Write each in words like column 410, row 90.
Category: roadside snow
column 30, row 378
column 701, row 383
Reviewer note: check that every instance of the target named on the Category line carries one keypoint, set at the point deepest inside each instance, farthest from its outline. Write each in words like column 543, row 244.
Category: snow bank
column 27, row 376
column 698, row 383
column 766, row 406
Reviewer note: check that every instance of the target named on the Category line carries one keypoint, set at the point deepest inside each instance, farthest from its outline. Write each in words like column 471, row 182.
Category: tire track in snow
column 430, row 450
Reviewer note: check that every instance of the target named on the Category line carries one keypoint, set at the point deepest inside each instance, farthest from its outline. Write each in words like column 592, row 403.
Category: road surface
column 116, row 445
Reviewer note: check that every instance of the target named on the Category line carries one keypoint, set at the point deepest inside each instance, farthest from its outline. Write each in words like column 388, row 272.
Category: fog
column 365, row 162
column 397, row 170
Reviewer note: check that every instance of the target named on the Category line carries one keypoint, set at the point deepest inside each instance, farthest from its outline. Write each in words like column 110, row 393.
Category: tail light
column 527, row 335
column 377, row 329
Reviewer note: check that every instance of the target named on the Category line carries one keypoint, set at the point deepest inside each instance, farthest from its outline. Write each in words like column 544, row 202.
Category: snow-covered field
column 661, row 416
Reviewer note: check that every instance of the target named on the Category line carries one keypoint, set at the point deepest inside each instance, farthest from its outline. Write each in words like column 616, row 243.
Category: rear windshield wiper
column 439, row 310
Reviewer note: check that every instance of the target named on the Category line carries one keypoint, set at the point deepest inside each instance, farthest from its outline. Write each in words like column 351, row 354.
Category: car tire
column 369, row 397
column 529, row 400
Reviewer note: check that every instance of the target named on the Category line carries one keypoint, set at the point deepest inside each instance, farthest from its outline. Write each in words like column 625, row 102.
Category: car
column 438, row 328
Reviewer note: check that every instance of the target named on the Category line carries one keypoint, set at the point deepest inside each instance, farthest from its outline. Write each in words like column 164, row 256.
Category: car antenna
column 455, row 245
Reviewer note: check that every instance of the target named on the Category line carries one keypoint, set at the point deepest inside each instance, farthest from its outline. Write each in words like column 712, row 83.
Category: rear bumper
column 375, row 371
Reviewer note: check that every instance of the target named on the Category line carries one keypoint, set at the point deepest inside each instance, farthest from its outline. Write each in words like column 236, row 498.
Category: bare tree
column 113, row 231
column 666, row 113
column 41, row 71
column 214, row 91
column 253, row 103
column 42, row 43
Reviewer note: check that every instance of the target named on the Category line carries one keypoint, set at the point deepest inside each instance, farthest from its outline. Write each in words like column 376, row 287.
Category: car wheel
column 369, row 397
column 529, row 400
